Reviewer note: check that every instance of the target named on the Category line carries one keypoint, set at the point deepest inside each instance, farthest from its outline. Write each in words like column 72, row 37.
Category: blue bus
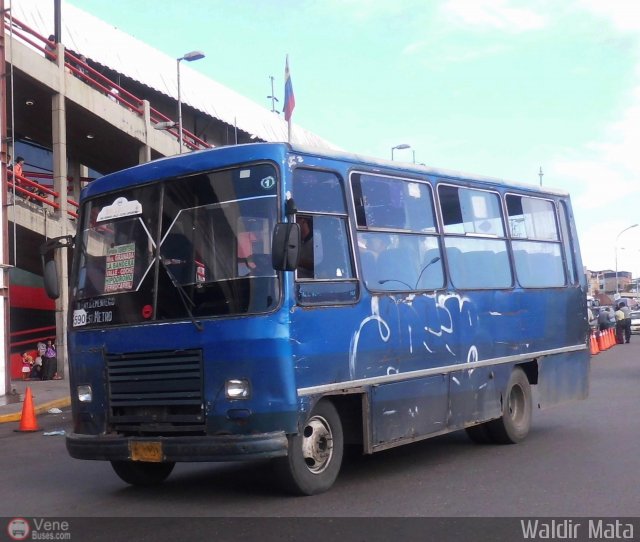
column 275, row 301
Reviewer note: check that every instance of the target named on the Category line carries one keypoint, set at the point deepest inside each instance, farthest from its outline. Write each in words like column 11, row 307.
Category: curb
column 56, row 403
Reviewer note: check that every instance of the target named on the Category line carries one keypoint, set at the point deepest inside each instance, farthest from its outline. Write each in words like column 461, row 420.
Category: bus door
column 325, row 288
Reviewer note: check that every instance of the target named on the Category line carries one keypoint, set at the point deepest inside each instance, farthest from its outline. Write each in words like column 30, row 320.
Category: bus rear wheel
column 514, row 424
column 315, row 454
column 138, row 473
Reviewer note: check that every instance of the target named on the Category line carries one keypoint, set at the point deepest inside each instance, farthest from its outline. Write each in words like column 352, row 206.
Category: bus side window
column 307, row 261
column 324, row 253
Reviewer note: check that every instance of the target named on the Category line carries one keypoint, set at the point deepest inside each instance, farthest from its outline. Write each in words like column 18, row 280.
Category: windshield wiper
column 187, row 302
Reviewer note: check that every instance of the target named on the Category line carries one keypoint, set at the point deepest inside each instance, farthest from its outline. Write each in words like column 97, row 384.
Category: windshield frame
column 152, row 283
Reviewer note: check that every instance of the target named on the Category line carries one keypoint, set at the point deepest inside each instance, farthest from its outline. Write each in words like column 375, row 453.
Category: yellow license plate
column 145, row 451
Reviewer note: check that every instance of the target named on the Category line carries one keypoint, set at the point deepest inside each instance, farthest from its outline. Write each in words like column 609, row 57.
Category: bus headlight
column 85, row 395
column 237, row 388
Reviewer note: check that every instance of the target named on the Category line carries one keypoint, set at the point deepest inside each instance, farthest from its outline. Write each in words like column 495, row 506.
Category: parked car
column 635, row 321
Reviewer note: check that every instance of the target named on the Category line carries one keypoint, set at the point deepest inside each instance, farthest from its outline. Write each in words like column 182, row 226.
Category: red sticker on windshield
column 147, row 311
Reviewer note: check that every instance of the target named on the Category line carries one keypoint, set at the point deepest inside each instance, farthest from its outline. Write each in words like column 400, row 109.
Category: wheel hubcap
column 317, row 444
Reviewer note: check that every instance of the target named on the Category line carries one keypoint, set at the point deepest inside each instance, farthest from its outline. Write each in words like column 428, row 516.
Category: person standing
column 619, row 324
column 49, row 362
column 27, row 365
column 50, row 48
column 627, row 322
column 17, row 167
column 603, row 319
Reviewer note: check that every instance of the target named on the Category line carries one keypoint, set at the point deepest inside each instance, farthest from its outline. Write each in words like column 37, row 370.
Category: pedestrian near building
column 50, row 362
column 50, row 48
column 603, row 319
column 17, row 167
column 27, row 365
column 619, row 324
column 627, row 322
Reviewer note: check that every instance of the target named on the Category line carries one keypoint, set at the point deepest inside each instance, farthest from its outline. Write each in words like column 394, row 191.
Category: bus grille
column 156, row 392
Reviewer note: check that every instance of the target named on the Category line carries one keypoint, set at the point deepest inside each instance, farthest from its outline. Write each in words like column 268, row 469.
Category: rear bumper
column 181, row 448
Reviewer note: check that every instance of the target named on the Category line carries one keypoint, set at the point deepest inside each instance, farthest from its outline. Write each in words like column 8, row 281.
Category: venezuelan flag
column 289, row 98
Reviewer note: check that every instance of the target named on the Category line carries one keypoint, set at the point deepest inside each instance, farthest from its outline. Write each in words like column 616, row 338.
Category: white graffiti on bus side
column 440, row 305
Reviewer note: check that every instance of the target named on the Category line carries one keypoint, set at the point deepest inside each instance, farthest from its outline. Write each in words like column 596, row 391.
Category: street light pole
column 401, row 146
column 616, row 253
column 189, row 57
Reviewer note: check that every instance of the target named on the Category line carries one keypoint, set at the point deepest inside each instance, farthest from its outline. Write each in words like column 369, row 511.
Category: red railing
column 99, row 82
column 32, row 340
column 33, row 191
column 95, row 79
column 26, row 34
column 188, row 139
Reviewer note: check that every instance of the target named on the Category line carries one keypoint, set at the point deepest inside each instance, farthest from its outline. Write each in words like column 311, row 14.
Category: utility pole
column 273, row 98
column 5, row 328
column 540, row 174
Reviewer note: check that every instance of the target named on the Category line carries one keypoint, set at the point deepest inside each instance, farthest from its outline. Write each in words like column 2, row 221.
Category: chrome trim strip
column 372, row 381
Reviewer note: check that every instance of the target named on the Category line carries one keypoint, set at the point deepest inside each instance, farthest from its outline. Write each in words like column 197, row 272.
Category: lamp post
column 616, row 253
column 401, row 146
column 189, row 57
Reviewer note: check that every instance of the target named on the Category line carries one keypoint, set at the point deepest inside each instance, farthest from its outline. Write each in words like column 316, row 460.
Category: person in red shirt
column 17, row 168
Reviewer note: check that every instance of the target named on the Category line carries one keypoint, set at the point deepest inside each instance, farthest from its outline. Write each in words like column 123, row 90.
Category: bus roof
column 197, row 161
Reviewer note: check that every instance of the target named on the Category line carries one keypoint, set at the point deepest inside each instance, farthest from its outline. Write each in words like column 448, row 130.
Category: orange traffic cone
column 28, row 421
column 601, row 342
column 612, row 337
column 593, row 344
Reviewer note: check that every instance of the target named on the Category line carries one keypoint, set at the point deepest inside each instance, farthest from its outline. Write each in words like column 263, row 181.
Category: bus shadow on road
column 230, row 481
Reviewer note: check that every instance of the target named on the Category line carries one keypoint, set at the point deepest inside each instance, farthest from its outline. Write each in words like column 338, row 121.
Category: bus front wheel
column 514, row 424
column 139, row 473
column 315, row 455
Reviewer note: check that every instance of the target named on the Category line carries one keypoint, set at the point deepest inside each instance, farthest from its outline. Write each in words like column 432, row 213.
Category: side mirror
column 51, row 285
column 49, row 268
column 285, row 246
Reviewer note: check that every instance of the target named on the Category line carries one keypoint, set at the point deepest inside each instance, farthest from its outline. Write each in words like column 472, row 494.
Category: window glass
column 324, row 293
column 400, row 262
column 531, row 218
column 468, row 211
column 478, row 263
column 567, row 243
column 324, row 251
column 189, row 247
column 538, row 264
column 319, row 191
column 117, row 256
column 389, row 203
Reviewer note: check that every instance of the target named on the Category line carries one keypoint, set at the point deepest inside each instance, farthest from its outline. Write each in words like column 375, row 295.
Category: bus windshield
column 195, row 246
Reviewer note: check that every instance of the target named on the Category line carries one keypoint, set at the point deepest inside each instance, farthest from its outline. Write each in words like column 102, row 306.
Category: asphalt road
column 580, row 459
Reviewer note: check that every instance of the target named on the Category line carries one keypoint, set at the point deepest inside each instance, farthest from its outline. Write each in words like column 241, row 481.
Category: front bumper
column 180, row 448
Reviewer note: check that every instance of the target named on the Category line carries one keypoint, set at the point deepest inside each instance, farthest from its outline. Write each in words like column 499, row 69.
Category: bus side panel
column 474, row 395
column 563, row 377
column 408, row 409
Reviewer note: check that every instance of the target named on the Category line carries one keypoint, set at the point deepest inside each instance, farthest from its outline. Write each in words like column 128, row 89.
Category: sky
column 502, row 88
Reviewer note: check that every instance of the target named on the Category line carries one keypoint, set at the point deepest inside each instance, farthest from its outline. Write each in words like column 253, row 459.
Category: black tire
column 138, row 473
column 514, row 424
column 315, row 455
column 479, row 434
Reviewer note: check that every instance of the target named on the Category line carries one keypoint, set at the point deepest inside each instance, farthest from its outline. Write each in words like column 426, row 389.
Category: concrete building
column 90, row 101
column 604, row 281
